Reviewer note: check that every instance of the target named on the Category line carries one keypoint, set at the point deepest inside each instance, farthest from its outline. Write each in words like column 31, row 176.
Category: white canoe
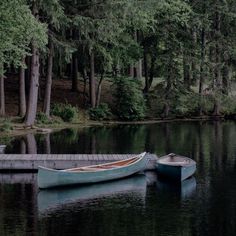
column 48, row 178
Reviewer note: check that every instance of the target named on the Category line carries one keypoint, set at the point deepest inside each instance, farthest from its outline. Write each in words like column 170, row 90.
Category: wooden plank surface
column 61, row 161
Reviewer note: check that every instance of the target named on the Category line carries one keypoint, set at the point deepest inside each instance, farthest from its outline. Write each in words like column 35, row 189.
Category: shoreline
column 20, row 130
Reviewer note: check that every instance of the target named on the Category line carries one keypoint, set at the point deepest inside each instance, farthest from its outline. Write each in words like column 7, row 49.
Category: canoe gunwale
column 190, row 162
column 140, row 157
column 50, row 178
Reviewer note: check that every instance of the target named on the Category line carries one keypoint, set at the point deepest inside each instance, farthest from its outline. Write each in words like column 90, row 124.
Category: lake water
column 141, row 205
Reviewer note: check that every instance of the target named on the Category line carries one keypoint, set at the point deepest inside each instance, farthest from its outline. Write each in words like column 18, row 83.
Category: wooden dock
column 31, row 162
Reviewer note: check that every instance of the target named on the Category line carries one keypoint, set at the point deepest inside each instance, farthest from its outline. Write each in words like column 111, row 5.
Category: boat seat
column 108, row 167
column 175, row 162
column 83, row 169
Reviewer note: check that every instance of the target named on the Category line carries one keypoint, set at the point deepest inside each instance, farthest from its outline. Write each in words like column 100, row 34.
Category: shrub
column 66, row 111
column 41, row 118
column 187, row 104
column 129, row 100
column 207, row 104
column 102, row 112
column 6, row 126
column 228, row 105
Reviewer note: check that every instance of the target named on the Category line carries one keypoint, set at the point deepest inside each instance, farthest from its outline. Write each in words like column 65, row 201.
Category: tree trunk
column 166, row 110
column 2, row 97
column 168, row 88
column 146, row 89
column 202, row 71
column 194, row 66
column 151, row 72
column 99, row 89
column 92, row 82
column 48, row 89
column 22, row 95
column 139, row 69
column 27, row 75
column 216, row 111
column 131, row 71
column 186, row 67
column 34, row 80
column 85, row 77
column 226, row 77
column 34, row 85
column 75, row 72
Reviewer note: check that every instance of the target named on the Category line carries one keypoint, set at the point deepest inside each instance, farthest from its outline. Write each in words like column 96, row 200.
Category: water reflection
column 18, row 206
column 193, row 139
column 192, row 210
column 184, row 189
column 57, row 199
column 31, row 144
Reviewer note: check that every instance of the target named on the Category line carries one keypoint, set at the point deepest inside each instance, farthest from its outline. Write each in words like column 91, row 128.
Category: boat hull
column 178, row 173
column 48, row 178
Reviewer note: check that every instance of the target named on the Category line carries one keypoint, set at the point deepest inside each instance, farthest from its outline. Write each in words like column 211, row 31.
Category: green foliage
column 228, row 105
column 18, row 28
column 187, row 104
column 129, row 100
column 182, row 42
column 67, row 112
column 181, row 103
column 41, row 118
column 207, row 104
column 6, row 140
column 102, row 112
column 6, row 126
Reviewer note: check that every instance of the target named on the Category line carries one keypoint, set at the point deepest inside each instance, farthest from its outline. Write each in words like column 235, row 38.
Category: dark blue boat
column 176, row 167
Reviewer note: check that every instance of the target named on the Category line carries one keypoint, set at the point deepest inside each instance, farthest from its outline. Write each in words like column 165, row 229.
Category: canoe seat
column 107, row 167
column 83, row 169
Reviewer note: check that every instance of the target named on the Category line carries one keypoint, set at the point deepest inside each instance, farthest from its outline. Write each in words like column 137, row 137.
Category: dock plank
column 59, row 161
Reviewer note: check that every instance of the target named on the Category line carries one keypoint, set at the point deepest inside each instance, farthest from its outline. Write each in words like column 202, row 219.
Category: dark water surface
column 141, row 205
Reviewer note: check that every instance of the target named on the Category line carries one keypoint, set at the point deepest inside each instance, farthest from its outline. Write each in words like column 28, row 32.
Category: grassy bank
column 16, row 128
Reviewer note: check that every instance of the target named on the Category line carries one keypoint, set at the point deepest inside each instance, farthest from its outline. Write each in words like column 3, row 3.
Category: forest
column 126, row 60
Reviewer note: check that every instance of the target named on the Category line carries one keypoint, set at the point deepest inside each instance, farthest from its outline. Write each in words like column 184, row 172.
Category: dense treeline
column 187, row 46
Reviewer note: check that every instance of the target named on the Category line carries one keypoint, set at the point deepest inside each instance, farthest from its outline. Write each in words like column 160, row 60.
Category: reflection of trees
column 206, row 142
column 22, row 146
column 31, row 144
column 18, row 215
column 217, row 143
column 211, row 144
column 64, row 141
column 47, row 144
column 93, row 143
column 216, row 197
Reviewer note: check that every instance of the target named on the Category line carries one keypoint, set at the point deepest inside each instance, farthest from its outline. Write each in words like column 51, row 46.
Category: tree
column 19, row 28
column 22, row 95
column 51, row 10
column 54, row 16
